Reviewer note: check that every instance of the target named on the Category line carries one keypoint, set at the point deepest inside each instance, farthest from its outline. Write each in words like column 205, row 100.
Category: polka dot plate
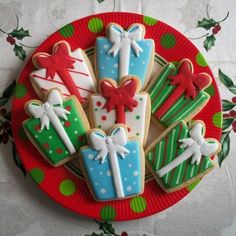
column 65, row 184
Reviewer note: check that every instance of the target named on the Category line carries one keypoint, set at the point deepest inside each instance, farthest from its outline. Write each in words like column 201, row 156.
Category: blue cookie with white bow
column 124, row 52
column 113, row 165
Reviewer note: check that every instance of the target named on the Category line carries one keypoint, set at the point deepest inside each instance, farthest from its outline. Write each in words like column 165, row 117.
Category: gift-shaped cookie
column 57, row 128
column 177, row 93
column 113, row 165
column 71, row 72
column 124, row 52
column 181, row 155
column 121, row 104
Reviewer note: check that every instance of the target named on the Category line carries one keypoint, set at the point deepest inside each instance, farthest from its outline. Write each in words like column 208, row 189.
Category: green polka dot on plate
column 37, row 175
column 168, row 40
column 108, row 213
column 217, row 119
column 67, row 187
column 210, row 90
column 67, row 30
column 138, row 204
column 95, row 25
column 20, row 90
column 201, row 60
column 149, row 20
column 193, row 185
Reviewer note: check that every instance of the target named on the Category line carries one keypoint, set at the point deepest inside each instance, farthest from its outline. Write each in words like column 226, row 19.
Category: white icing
column 85, row 84
column 136, row 126
column 49, row 113
column 196, row 147
column 123, row 41
column 111, row 146
column 135, row 173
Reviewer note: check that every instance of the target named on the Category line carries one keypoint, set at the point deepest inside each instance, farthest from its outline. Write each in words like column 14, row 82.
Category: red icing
column 59, row 150
column 59, row 62
column 46, row 145
column 37, row 127
column 67, row 123
column 81, row 138
column 68, row 108
column 104, row 117
column 119, row 98
column 186, row 83
column 98, row 103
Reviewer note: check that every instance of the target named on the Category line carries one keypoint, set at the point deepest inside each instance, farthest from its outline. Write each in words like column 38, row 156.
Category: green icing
column 162, row 89
column 49, row 142
column 167, row 150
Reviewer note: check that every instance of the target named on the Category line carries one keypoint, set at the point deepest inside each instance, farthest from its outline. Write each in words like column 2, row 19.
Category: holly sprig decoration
column 212, row 27
column 5, row 124
column 229, row 116
column 15, row 37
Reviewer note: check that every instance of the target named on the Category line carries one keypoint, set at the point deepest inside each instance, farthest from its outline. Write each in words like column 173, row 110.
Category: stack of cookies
column 101, row 115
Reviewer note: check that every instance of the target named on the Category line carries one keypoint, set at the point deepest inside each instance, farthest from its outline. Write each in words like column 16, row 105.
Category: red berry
column 5, row 138
column 124, row 234
column 226, row 115
column 232, row 113
column 234, row 125
column 3, row 111
column 11, row 40
column 234, row 129
column 218, row 27
column 234, row 99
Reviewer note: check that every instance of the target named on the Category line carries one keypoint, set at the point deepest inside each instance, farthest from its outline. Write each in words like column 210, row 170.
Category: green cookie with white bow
column 181, row 155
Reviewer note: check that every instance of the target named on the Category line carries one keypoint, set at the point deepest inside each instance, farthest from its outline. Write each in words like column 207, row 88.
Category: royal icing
column 71, row 72
column 112, row 164
column 178, row 93
column 121, row 105
column 57, row 128
column 168, row 158
column 124, row 53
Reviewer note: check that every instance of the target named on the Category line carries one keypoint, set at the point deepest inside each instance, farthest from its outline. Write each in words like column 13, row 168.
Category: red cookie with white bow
column 122, row 104
column 69, row 71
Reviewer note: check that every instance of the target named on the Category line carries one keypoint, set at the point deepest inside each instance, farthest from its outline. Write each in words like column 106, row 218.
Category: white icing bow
column 120, row 38
column 111, row 146
column 50, row 112
column 196, row 147
column 42, row 111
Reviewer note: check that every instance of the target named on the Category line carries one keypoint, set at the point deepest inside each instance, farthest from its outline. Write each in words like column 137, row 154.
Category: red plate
column 61, row 184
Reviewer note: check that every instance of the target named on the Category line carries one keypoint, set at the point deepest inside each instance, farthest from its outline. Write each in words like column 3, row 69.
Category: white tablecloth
column 210, row 209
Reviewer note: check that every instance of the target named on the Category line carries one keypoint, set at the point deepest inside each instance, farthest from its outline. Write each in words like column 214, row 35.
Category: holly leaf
column 206, row 23
column 8, row 92
column 232, row 89
column 20, row 33
column 227, row 122
column 209, row 42
column 107, row 227
column 225, row 79
column 227, row 105
column 17, row 160
column 19, row 52
column 225, row 147
column 3, row 101
column 100, row 1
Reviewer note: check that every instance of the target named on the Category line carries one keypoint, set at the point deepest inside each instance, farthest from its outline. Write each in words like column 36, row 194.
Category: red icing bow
column 187, row 83
column 119, row 98
column 59, row 62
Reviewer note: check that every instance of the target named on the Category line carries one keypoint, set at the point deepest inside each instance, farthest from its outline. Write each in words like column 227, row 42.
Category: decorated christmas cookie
column 177, row 93
column 121, row 104
column 124, row 52
column 113, row 164
column 71, row 72
column 181, row 155
column 57, row 128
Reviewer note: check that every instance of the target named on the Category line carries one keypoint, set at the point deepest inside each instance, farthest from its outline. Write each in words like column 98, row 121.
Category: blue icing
column 100, row 175
column 108, row 66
